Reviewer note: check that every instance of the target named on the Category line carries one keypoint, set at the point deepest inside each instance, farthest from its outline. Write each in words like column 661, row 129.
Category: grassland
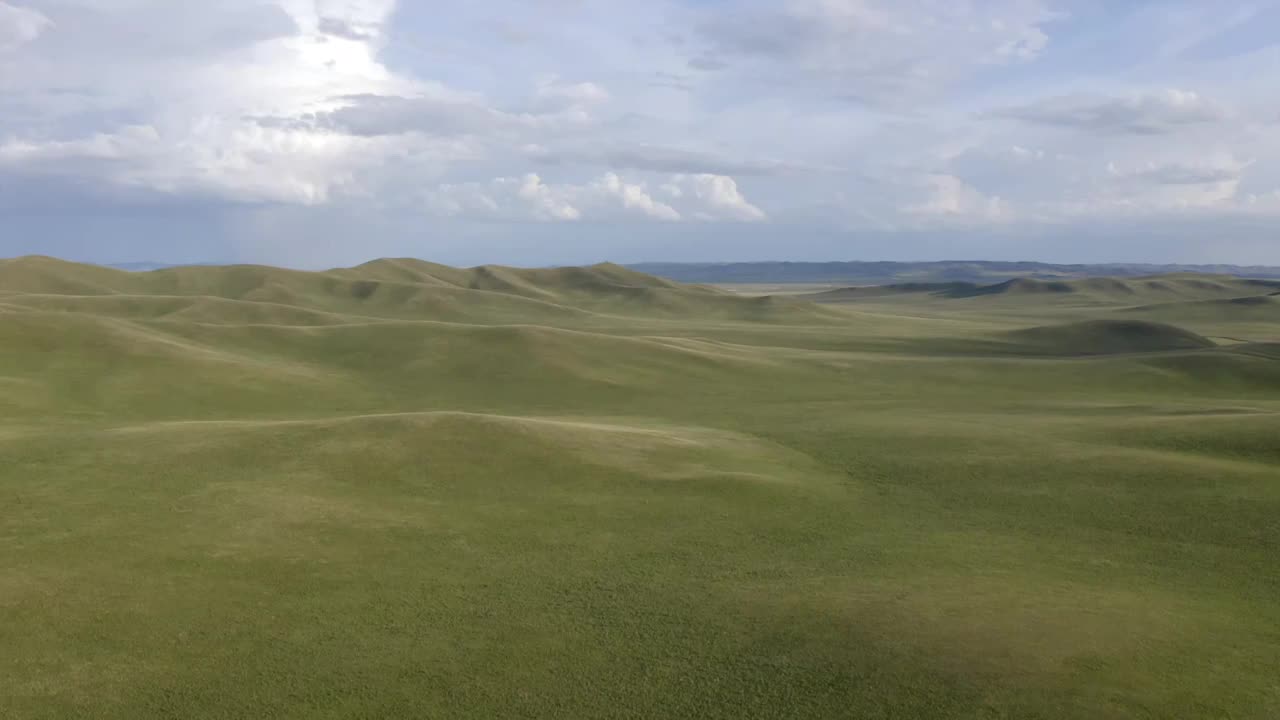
column 408, row 490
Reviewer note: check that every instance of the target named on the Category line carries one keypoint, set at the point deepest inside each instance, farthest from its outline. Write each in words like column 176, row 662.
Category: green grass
column 407, row 490
column 1104, row 337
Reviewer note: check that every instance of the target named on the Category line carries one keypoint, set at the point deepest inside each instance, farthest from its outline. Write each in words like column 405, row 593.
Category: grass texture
column 409, row 490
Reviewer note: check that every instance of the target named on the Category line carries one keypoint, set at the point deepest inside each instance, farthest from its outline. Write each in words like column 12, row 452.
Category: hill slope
column 410, row 490
column 1244, row 308
column 1161, row 287
column 1149, row 289
column 389, row 289
column 884, row 273
column 1102, row 337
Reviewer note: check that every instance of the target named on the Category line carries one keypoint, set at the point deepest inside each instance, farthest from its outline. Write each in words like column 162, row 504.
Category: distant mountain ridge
column 947, row 271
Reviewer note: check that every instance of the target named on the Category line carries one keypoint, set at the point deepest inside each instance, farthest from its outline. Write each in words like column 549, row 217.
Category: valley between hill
column 410, row 490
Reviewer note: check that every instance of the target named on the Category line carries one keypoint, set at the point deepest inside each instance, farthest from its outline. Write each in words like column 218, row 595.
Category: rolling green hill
column 1157, row 288
column 947, row 271
column 1264, row 308
column 409, row 490
column 387, row 289
column 1102, row 337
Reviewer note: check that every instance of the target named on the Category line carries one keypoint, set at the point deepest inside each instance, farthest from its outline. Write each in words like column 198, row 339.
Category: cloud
column 949, row 197
column 177, row 110
column 554, row 106
column 1209, row 183
column 113, row 33
column 338, row 27
column 708, row 64
column 374, row 115
column 656, row 158
column 1266, row 201
column 546, row 203
column 20, row 25
column 552, row 94
column 1041, row 187
column 366, row 18
column 713, row 197
column 794, row 120
column 226, row 162
column 1183, row 173
column 634, row 196
column 878, row 51
column 707, row 198
column 1152, row 113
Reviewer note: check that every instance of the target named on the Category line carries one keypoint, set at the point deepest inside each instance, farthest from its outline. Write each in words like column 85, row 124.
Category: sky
column 317, row 133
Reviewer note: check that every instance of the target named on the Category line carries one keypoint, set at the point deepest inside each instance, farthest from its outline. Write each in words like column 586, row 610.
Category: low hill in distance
column 1257, row 307
column 886, row 273
column 1163, row 288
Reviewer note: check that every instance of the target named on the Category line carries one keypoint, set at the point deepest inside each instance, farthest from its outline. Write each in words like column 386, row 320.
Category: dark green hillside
column 1162, row 288
column 1102, row 337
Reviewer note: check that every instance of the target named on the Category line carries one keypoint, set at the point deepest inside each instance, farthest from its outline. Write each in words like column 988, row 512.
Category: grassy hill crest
column 392, row 289
column 1149, row 289
column 1103, row 337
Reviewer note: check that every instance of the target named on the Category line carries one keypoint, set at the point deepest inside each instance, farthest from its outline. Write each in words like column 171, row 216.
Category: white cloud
column 226, row 161
column 1149, row 113
column 195, row 131
column 883, row 51
column 441, row 111
column 358, row 19
column 546, row 203
column 708, row 198
column 20, row 25
column 634, row 196
column 1180, row 173
column 373, row 115
column 554, row 94
column 951, row 198
column 367, row 16
column 1174, row 185
column 658, row 158
column 713, row 197
column 294, row 107
column 505, row 198
column 1268, row 202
